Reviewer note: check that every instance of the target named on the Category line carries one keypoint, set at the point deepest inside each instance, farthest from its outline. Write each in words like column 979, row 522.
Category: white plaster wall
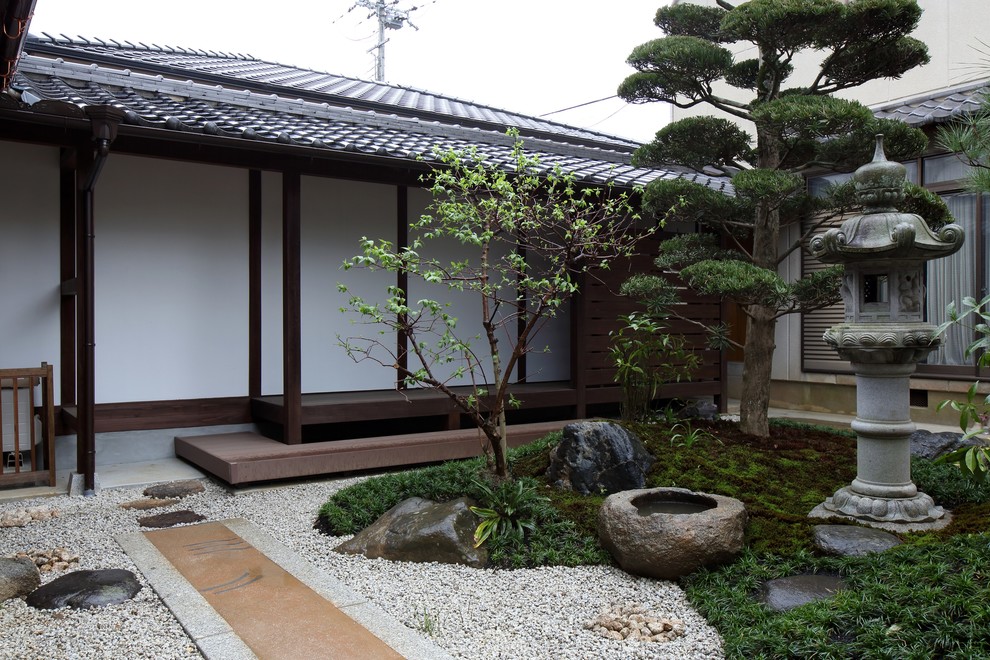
column 336, row 214
column 541, row 365
column 549, row 357
column 29, row 257
column 171, row 261
column 271, row 283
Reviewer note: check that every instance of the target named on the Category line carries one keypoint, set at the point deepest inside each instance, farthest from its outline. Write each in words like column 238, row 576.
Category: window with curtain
column 953, row 278
column 966, row 273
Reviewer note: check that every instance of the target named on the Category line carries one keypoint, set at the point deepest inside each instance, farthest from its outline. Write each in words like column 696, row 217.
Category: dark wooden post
column 402, row 278
column 67, row 276
column 291, row 309
column 85, row 329
column 254, row 283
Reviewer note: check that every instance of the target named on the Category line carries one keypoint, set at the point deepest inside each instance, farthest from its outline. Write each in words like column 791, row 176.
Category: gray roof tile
column 935, row 107
column 237, row 108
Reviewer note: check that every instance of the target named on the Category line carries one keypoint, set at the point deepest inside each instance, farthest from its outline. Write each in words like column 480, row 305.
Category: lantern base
column 917, row 509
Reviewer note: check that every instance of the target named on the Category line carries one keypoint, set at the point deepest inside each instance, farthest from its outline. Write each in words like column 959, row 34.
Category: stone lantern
column 884, row 336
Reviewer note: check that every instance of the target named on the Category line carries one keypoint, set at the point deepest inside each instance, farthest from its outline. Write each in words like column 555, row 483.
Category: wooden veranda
column 348, row 431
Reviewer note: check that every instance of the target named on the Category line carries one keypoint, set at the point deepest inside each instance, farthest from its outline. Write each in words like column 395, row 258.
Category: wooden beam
column 291, row 308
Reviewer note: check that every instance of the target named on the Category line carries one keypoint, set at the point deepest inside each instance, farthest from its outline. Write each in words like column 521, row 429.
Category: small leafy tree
column 532, row 231
column 646, row 356
column 781, row 130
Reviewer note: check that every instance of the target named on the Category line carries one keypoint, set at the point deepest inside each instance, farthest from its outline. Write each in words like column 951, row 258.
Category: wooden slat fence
column 27, row 426
column 601, row 307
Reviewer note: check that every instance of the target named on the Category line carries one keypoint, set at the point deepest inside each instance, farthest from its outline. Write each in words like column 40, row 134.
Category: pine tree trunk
column 757, row 366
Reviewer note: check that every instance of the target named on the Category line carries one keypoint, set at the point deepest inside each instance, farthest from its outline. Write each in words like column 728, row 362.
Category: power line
column 580, row 105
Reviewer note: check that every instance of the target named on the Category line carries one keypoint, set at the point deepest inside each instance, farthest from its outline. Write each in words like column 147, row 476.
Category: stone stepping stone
column 852, row 541
column 787, row 593
column 144, row 505
column 86, row 589
column 175, row 489
column 171, row 519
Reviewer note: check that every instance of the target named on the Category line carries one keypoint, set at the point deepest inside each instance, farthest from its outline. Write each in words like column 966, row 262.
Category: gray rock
column 175, row 489
column 171, row 519
column 700, row 409
column 420, row 530
column 852, row 541
column 598, row 457
column 787, row 593
column 18, row 577
column 670, row 545
column 928, row 445
column 86, row 589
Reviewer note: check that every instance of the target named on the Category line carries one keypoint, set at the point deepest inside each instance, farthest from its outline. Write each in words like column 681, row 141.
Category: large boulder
column 598, row 457
column 19, row 576
column 421, row 530
column 86, row 589
column 928, row 445
column 669, row 532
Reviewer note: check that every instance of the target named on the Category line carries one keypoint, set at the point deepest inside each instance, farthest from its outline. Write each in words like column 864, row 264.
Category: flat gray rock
column 86, row 589
column 175, row 489
column 171, row 519
column 787, row 593
column 852, row 541
column 928, row 445
column 18, row 577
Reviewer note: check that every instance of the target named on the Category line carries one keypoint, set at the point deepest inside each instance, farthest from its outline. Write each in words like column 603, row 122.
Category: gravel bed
column 477, row 614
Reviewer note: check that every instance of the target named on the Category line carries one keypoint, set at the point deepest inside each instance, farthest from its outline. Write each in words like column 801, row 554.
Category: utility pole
column 389, row 16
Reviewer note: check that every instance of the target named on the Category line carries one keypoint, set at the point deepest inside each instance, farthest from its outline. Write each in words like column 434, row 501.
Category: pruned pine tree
column 778, row 131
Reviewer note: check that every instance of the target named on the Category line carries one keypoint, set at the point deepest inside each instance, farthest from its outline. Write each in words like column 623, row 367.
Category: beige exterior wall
column 955, row 32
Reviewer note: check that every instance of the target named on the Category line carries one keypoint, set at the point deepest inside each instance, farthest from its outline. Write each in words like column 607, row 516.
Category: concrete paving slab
column 214, row 615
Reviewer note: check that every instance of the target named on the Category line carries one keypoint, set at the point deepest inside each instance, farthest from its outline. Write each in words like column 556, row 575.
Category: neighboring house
column 224, row 193
column 811, row 375
column 807, row 374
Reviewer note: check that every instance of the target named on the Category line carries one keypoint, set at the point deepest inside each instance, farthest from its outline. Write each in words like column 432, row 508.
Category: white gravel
column 477, row 614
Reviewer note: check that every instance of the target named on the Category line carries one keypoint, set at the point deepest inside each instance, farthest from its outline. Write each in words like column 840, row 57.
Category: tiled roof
column 935, row 107
column 238, row 111
column 213, row 67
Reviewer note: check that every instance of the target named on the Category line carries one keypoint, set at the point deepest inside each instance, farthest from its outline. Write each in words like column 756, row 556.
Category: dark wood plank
column 240, row 458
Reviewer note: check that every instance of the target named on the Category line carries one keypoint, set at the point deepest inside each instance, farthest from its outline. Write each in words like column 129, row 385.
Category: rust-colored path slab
column 240, row 594
column 275, row 614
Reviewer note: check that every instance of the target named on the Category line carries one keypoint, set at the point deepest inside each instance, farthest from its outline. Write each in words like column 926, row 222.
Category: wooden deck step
column 242, row 458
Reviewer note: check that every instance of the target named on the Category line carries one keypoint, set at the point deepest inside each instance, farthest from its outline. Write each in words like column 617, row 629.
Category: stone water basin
column 670, row 532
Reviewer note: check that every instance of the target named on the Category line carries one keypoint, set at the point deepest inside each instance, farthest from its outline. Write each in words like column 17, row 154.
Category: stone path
column 240, row 594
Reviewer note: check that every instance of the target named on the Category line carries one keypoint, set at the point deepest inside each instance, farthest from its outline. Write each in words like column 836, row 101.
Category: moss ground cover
column 927, row 598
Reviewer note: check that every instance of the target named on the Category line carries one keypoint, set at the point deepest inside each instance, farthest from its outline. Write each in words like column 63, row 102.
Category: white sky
column 529, row 56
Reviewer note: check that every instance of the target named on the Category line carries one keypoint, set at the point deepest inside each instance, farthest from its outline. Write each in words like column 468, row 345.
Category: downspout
column 104, row 121
column 14, row 21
